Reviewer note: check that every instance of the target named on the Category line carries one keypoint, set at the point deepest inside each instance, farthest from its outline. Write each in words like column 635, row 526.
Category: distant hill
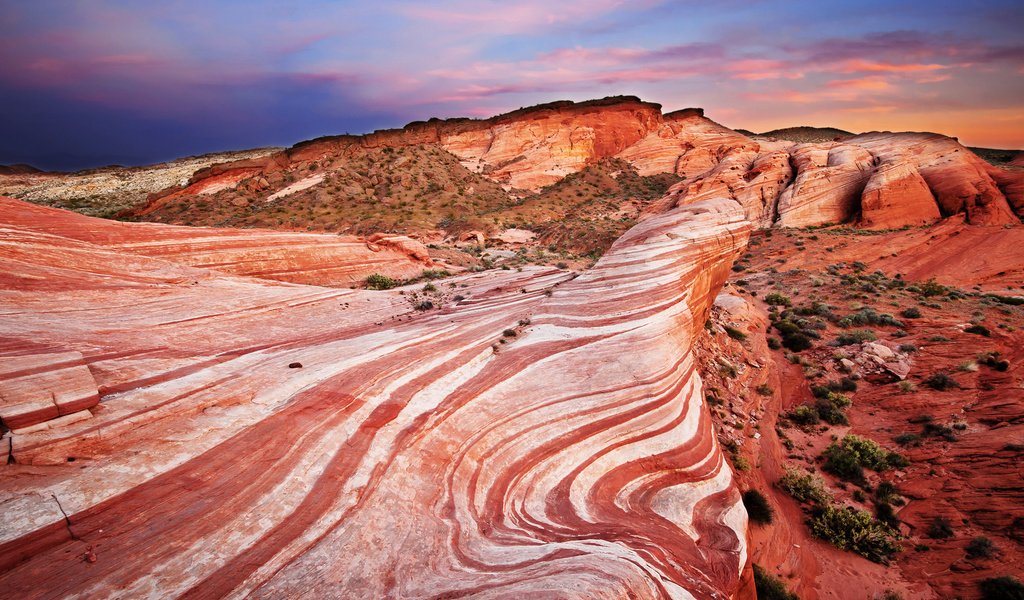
column 999, row 158
column 802, row 134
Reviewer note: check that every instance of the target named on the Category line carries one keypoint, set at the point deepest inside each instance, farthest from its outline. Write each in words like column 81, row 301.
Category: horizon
column 107, row 82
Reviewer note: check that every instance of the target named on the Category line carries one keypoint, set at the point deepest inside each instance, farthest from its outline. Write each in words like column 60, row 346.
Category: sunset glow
column 96, row 82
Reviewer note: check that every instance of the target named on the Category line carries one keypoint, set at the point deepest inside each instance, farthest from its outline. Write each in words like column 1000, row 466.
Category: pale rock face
column 541, row 148
column 828, row 185
column 411, row 455
column 959, row 180
column 316, row 259
column 895, row 196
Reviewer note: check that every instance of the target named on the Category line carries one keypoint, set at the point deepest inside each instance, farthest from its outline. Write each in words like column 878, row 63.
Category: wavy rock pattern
column 412, row 455
column 279, row 255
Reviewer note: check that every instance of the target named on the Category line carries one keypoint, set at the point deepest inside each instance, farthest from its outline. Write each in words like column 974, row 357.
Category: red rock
column 896, row 195
column 405, row 457
column 40, row 387
column 317, row 259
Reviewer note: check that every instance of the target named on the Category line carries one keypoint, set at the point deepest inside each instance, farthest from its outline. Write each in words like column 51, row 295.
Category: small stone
column 295, row 365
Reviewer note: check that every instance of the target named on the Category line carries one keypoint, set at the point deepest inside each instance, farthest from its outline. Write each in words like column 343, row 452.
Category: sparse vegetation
column 940, row 529
column 994, row 588
column 805, row 487
column 777, row 299
column 853, row 454
column 941, row 382
column 981, row 547
column 757, row 507
column 376, row 281
column 770, row 587
column 734, row 333
column 857, row 531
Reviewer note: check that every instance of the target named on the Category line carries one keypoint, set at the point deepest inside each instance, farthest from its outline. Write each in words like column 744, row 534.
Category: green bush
column 804, row 415
column 434, row 273
column 774, row 343
column 797, row 342
column 911, row 313
column 735, row 334
column 777, row 299
column 853, row 454
column 805, row 487
column 757, row 507
column 993, row 588
column 855, row 337
column 764, row 389
column 857, row 531
column 377, row 281
column 770, row 587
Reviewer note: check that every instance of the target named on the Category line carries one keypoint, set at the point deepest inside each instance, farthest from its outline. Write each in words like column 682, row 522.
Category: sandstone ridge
column 539, row 433
column 877, row 180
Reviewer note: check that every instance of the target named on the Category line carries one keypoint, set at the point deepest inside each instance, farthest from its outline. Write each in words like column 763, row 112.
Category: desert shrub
column 911, row 313
column 856, row 531
column 797, row 342
column 832, row 412
column 770, row 587
column 888, row 492
column 777, row 299
column 994, row 360
column 941, row 382
column 425, row 305
column 885, row 513
column 993, row 588
column 869, row 316
column 376, row 281
column 804, row 415
column 931, row 288
column 764, row 389
column 908, row 439
column 940, row 529
column 757, row 507
column 774, row 343
column 853, row 454
column 908, row 348
column 978, row 330
column 981, row 547
column 805, row 487
column 855, row 337
column 735, row 334
column 940, row 431
column 434, row 273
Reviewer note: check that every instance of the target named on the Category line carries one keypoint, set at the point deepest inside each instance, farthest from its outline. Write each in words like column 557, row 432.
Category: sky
column 86, row 83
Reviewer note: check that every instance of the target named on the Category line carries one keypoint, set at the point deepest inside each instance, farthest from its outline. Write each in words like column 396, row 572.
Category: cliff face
column 877, row 180
column 535, row 434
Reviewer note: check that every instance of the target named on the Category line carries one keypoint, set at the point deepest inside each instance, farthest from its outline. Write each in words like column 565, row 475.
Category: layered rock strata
column 535, row 435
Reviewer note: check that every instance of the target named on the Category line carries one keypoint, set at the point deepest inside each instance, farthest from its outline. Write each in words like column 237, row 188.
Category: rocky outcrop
column 534, row 435
column 878, row 180
column 896, row 196
column 314, row 259
column 958, row 179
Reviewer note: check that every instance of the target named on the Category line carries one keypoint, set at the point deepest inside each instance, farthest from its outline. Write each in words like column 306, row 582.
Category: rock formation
column 314, row 259
column 536, row 434
column 878, row 180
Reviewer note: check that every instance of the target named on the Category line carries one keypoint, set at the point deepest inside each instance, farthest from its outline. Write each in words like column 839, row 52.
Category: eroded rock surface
column 536, row 434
